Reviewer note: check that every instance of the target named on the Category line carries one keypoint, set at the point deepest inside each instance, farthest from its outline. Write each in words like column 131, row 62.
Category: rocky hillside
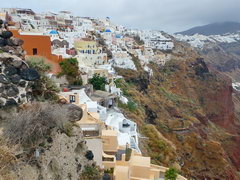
column 221, row 51
column 41, row 141
column 214, row 29
column 224, row 57
column 189, row 108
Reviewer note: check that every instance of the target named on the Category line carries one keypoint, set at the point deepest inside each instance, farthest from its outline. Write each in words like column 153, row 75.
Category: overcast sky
column 168, row 15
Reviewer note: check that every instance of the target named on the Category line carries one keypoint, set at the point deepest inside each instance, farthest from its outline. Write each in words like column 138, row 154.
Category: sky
column 167, row 15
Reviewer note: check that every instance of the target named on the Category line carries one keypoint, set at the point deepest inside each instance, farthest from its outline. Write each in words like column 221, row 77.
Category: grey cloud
column 168, row 15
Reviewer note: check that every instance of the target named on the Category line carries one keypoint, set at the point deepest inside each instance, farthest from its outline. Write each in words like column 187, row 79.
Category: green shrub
column 69, row 68
column 98, row 82
column 91, row 173
column 120, row 83
column 131, row 106
column 109, row 171
column 171, row 174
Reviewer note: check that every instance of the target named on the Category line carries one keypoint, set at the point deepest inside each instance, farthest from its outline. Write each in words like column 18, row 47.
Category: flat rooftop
column 140, row 161
column 109, row 132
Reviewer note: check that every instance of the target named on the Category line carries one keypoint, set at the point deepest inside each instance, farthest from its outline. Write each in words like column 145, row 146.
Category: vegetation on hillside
column 138, row 40
column 91, row 173
column 31, row 126
column 7, row 158
column 69, row 68
column 171, row 174
column 44, row 88
column 175, row 106
column 98, row 82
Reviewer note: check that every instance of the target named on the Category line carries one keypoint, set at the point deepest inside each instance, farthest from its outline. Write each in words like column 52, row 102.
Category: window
column 72, row 99
column 35, row 52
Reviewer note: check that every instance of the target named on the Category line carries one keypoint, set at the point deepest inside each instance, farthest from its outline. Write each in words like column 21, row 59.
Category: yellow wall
column 86, row 46
column 121, row 173
column 140, row 172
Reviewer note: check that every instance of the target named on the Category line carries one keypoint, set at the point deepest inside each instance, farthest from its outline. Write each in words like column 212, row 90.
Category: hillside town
column 99, row 46
column 199, row 40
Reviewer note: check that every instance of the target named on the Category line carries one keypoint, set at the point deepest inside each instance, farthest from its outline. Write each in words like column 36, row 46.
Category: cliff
column 189, row 108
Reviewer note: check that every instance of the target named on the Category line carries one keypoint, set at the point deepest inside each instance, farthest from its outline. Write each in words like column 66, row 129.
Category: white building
column 127, row 130
column 80, row 97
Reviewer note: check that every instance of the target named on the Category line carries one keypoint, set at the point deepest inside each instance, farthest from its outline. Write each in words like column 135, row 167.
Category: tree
column 69, row 68
column 171, row 174
column 98, row 82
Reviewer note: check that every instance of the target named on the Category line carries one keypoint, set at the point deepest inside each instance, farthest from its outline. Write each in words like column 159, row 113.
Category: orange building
column 39, row 45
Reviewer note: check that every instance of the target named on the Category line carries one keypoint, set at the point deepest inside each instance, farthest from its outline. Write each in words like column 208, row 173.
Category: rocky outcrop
column 15, row 74
column 64, row 158
column 45, row 142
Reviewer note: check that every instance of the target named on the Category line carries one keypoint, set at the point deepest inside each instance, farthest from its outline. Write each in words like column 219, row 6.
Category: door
column 72, row 99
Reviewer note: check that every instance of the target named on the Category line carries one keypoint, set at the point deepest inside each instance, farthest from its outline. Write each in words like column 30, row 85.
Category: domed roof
column 108, row 30
column 118, row 36
column 53, row 32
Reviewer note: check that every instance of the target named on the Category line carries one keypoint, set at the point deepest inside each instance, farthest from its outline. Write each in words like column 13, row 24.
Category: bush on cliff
column 39, row 63
column 33, row 124
column 91, row 173
column 44, row 88
column 171, row 174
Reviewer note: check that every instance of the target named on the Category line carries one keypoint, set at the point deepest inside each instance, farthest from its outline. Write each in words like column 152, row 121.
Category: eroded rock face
column 62, row 158
column 14, row 80
column 65, row 158
column 30, row 74
column 15, row 74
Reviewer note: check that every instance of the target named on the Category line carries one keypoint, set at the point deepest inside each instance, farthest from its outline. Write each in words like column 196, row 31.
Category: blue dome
column 108, row 30
column 53, row 32
column 118, row 36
